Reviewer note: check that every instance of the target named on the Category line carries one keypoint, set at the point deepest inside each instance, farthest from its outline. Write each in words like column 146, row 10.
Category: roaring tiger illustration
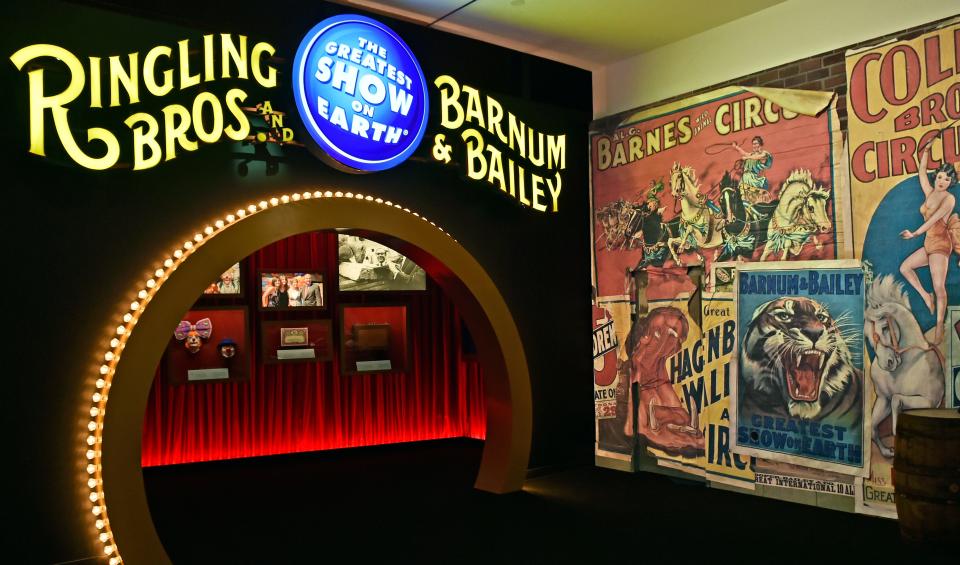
column 795, row 362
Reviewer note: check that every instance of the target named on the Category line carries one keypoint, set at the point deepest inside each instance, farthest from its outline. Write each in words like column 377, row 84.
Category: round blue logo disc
column 360, row 92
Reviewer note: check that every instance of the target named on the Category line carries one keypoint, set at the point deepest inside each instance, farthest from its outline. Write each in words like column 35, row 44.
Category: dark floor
column 414, row 503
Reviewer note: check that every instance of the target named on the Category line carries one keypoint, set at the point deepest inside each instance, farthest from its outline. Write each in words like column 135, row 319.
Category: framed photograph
column 209, row 345
column 374, row 339
column 291, row 341
column 289, row 290
column 228, row 284
column 365, row 265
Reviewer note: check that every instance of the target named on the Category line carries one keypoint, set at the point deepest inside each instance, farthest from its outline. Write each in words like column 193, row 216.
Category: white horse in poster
column 907, row 371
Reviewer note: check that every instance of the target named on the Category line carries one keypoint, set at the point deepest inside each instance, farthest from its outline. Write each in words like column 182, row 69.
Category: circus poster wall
column 731, row 175
column 904, row 107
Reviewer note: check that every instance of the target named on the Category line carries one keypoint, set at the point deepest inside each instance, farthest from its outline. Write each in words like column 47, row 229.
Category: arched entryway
column 119, row 494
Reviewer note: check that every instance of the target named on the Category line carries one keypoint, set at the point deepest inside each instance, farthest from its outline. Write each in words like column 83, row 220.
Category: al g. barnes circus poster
column 727, row 175
column 903, row 111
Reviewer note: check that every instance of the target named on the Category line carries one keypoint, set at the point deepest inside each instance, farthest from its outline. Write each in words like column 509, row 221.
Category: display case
column 374, row 339
column 291, row 341
column 209, row 344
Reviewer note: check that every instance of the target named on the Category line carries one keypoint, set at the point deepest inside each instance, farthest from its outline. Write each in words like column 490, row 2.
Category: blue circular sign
column 360, row 92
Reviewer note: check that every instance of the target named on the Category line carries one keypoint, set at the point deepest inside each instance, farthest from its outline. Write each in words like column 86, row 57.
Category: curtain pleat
column 288, row 408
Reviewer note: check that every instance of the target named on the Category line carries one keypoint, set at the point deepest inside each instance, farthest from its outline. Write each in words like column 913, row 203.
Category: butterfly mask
column 192, row 334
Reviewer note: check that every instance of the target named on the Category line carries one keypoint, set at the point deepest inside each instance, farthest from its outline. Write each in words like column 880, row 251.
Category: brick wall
column 825, row 71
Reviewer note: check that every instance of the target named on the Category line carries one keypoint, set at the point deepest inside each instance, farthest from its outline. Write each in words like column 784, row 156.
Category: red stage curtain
column 310, row 406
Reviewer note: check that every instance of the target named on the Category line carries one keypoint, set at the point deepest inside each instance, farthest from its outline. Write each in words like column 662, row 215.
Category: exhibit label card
column 374, row 365
column 208, row 374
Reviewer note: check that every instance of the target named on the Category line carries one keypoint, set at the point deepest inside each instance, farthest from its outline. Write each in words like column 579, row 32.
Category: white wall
column 792, row 30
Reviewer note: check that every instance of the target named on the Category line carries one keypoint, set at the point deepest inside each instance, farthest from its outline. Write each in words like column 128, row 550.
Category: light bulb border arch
column 113, row 443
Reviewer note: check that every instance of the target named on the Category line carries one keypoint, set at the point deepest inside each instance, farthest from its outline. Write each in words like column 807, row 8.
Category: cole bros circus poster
column 800, row 395
column 904, row 139
column 732, row 174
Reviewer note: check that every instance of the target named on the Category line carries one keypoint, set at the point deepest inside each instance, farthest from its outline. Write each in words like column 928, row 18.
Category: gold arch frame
column 114, row 442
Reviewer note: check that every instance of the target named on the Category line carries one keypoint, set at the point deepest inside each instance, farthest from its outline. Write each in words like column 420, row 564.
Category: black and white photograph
column 366, row 265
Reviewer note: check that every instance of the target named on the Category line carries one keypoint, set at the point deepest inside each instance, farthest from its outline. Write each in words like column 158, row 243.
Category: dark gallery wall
column 79, row 241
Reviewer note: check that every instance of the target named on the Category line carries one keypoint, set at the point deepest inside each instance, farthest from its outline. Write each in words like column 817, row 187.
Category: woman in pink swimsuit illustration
column 941, row 228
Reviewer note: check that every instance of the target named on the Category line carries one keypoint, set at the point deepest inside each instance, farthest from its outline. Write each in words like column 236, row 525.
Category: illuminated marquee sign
column 360, row 92
column 136, row 77
column 501, row 149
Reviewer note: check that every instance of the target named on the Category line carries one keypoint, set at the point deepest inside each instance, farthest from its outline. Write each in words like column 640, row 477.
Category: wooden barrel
column 926, row 475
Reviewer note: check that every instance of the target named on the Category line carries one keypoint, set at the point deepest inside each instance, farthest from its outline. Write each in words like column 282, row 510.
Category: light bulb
column 91, row 483
column 379, row 200
column 241, row 213
column 188, row 245
column 318, row 194
column 218, row 224
column 328, row 194
column 114, row 342
column 230, row 218
column 263, row 204
column 91, row 426
column 296, row 196
column 104, row 537
column 97, row 510
column 158, row 273
column 274, row 201
column 178, row 253
column 91, row 469
column 168, row 263
column 94, row 497
column 91, row 454
column 100, row 524
column 208, row 230
column 358, row 196
column 197, row 237
column 126, row 319
column 91, row 440
column 134, row 306
column 306, row 195
column 338, row 194
column 114, row 561
column 101, row 383
column 104, row 369
column 108, row 549
column 94, row 412
column 96, row 397
column 151, row 283
column 252, row 208
column 121, row 330
column 388, row 203
column 369, row 198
